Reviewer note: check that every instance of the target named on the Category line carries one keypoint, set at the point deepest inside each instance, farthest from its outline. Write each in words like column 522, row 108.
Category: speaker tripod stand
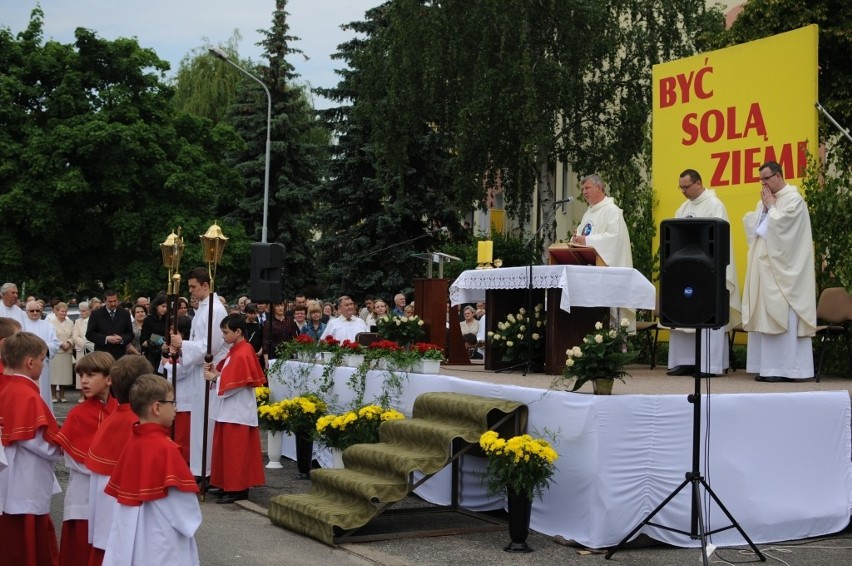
column 694, row 479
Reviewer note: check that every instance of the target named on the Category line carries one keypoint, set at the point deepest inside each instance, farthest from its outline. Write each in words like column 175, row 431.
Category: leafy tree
column 95, row 166
column 205, row 87
column 296, row 156
column 374, row 219
column 513, row 87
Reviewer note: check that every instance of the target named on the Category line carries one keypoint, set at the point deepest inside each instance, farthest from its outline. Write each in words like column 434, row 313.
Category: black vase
column 520, row 507
column 304, row 455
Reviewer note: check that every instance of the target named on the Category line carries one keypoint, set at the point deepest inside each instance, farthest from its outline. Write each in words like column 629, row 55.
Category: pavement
column 242, row 535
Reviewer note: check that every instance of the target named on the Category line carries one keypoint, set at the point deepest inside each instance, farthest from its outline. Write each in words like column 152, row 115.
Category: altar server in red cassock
column 158, row 512
column 27, row 484
column 75, row 437
column 237, row 460
column 106, row 447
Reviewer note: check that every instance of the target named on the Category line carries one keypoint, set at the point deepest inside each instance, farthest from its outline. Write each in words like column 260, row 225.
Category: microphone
column 563, row 201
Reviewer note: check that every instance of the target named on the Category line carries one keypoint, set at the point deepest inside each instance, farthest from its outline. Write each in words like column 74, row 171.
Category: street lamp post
column 216, row 52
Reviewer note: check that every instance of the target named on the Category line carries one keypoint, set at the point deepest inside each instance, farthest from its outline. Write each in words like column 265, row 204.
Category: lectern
column 431, row 296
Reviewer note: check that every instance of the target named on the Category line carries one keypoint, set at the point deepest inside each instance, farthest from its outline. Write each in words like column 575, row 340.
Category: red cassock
column 75, row 437
column 139, row 477
column 26, row 539
column 237, row 462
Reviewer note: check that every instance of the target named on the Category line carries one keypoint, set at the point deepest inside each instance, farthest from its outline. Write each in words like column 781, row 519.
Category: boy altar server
column 75, row 437
column 27, row 535
column 237, row 460
column 107, row 446
column 158, row 512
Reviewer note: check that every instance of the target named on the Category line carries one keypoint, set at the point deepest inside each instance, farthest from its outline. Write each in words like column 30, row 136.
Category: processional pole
column 212, row 244
column 172, row 250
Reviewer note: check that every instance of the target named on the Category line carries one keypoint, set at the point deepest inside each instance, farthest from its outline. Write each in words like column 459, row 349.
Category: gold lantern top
column 213, row 244
column 172, row 250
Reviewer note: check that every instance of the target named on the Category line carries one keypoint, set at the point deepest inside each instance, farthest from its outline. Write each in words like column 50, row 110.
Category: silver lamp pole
column 216, row 52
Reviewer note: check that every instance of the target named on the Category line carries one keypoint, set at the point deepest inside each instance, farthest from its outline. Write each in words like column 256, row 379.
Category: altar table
column 588, row 289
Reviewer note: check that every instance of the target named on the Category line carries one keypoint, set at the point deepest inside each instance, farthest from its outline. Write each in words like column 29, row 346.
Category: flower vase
column 273, row 450
column 304, row 455
column 336, row 458
column 354, row 360
column 520, row 507
column 603, row 386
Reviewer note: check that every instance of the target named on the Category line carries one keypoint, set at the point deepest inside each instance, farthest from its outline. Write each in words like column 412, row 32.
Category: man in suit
column 110, row 329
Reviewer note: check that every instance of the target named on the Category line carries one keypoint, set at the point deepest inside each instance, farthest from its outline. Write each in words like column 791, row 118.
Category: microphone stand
column 528, row 364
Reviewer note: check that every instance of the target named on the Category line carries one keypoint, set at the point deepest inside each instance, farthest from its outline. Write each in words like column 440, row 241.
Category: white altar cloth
column 582, row 285
column 780, row 462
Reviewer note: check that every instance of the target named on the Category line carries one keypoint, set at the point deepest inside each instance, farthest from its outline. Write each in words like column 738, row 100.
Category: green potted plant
column 299, row 416
column 510, row 338
column 600, row 359
column 353, row 353
column 521, row 467
column 361, row 426
column 402, row 329
column 427, row 357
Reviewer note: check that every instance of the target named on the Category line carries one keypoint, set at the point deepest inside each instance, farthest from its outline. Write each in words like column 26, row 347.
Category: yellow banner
column 724, row 113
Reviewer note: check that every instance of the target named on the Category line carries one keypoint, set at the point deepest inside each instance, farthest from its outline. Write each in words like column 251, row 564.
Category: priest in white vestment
column 779, row 297
column 192, row 364
column 604, row 229
column 46, row 332
column 703, row 203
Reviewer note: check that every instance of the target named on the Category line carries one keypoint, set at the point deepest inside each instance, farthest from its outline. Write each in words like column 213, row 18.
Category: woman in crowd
column 62, row 365
column 327, row 312
column 283, row 329
column 469, row 325
column 380, row 309
column 140, row 313
column 154, row 331
column 408, row 310
column 315, row 326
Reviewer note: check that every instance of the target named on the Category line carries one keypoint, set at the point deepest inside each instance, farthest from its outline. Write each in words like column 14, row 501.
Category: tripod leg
column 647, row 519
column 696, row 515
column 732, row 520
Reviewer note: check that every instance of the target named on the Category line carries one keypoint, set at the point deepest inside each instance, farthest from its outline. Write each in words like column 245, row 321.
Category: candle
column 485, row 251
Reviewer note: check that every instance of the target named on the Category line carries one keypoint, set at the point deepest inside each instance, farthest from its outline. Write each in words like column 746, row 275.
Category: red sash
column 110, row 440
column 24, row 412
column 82, row 423
column 242, row 370
column 151, row 465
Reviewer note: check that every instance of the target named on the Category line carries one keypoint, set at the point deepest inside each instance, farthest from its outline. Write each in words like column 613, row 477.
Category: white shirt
column 342, row 329
column 15, row 312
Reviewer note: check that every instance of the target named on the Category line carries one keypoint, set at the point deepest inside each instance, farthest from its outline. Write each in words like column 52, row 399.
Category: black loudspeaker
column 694, row 253
column 266, row 263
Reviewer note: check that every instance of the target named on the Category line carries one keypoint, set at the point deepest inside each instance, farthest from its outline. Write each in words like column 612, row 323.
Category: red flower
column 350, row 345
column 423, row 347
column 304, row 339
column 385, row 345
column 330, row 340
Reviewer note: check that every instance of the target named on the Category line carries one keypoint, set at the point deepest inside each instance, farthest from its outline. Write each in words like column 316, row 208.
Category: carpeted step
column 347, row 498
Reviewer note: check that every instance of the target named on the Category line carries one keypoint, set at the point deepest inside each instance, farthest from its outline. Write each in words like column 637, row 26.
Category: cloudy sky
column 174, row 27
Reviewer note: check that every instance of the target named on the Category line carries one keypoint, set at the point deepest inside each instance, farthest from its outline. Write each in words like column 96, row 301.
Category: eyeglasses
column 33, row 310
column 764, row 179
column 686, row 187
column 173, row 402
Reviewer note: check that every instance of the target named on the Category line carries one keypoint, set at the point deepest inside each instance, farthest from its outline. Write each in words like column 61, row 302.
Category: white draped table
column 780, row 462
column 581, row 285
